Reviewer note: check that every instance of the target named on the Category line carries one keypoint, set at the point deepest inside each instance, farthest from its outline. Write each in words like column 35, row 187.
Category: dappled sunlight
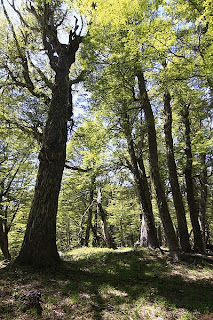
column 111, row 284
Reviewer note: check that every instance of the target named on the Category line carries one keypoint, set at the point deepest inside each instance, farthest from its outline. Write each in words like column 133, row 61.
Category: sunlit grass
column 111, row 284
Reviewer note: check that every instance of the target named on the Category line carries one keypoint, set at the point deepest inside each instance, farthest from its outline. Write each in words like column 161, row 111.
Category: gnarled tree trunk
column 39, row 246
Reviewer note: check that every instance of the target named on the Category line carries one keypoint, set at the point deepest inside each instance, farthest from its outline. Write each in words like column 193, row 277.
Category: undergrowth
column 111, row 284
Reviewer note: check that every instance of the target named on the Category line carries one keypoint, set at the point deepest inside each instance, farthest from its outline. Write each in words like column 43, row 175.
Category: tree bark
column 138, row 171
column 96, row 237
column 192, row 203
column 4, row 239
column 89, row 220
column 106, row 233
column 39, row 246
column 155, row 174
column 144, row 239
column 173, row 177
column 203, row 195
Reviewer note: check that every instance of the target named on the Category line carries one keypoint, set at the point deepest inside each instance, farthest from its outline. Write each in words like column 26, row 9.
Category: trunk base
column 38, row 261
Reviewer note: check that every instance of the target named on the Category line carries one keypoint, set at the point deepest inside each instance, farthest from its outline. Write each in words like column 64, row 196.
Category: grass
column 111, row 284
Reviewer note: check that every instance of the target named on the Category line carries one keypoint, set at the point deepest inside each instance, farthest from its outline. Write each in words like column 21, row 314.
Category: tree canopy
column 117, row 95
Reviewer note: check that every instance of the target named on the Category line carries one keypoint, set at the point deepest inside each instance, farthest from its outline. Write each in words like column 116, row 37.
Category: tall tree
column 153, row 158
column 138, row 170
column 39, row 246
column 176, row 193
column 192, row 201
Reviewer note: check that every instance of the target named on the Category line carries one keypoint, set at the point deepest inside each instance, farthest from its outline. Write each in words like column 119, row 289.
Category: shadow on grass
column 110, row 281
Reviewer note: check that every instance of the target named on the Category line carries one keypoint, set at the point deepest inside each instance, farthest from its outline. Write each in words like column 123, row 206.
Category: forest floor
column 95, row 284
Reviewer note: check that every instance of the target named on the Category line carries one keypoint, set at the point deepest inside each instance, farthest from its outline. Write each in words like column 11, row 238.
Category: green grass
column 111, row 284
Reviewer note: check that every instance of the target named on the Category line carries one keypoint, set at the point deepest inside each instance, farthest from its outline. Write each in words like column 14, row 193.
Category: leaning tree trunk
column 96, row 237
column 106, row 233
column 155, row 174
column 39, row 246
column 173, row 177
column 138, row 171
column 192, row 203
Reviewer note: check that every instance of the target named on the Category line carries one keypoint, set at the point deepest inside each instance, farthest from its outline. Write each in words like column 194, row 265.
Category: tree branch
column 77, row 168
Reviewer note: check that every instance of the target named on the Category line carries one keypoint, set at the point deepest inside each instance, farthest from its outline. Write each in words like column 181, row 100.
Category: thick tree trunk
column 155, row 174
column 173, row 177
column 4, row 246
column 89, row 220
column 192, row 203
column 39, row 246
column 106, row 233
column 138, row 170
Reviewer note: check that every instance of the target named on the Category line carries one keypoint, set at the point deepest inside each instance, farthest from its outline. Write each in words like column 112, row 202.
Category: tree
column 176, row 193
column 88, row 156
column 41, row 228
column 192, row 202
column 148, row 230
column 153, row 158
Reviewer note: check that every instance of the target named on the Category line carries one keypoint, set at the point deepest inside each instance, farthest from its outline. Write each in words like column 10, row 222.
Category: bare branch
column 81, row 77
column 42, row 74
column 18, row 13
column 77, row 168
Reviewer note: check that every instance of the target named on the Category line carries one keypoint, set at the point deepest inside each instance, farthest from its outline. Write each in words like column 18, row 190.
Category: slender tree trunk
column 123, row 242
column 138, row 170
column 153, row 242
column 4, row 246
column 159, row 232
column 106, row 233
column 192, row 203
column 176, row 193
column 89, row 220
column 96, row 238
column 144, row 233
column 203, row 195
column 155, row 174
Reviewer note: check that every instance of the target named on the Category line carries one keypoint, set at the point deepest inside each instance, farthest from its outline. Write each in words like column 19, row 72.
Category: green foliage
column 17, row 168
column 171, row 41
